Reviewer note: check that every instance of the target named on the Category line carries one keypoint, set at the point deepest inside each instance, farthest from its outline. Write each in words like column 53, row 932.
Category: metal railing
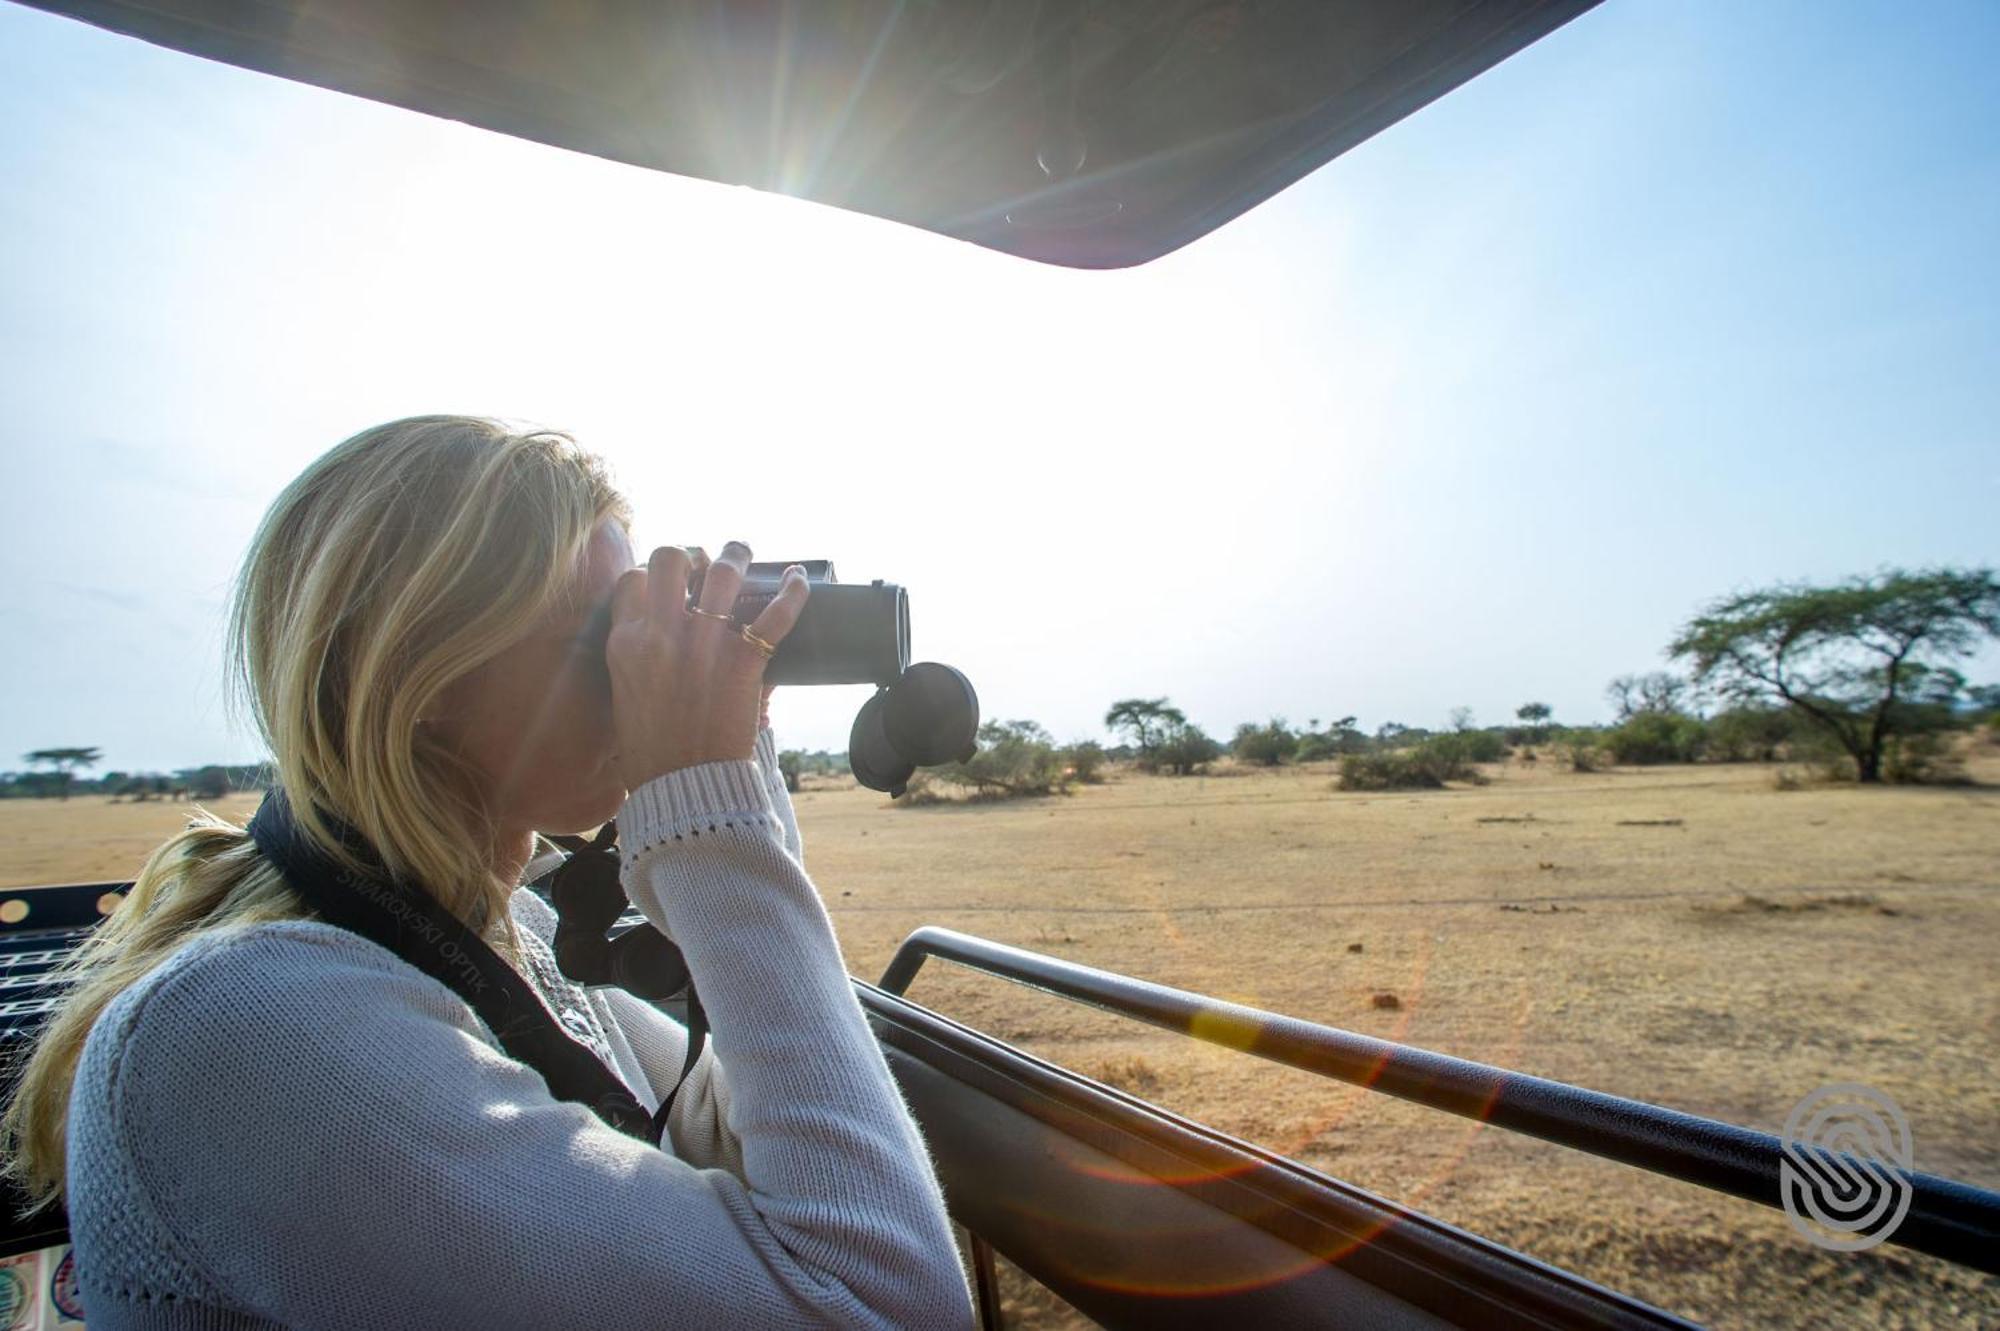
column 1946, row 1218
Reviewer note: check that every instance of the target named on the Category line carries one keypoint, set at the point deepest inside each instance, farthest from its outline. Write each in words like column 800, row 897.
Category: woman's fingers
column 783, row 611
column 725, row 578
column 667, row 582
column 675, row 707
column 628, row 597
column 698, row 562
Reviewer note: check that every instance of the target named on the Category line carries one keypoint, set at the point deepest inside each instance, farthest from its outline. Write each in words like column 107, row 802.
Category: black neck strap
column 408, row 921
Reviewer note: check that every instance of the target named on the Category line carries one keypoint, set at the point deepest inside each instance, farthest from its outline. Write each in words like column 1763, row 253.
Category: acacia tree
column 1145, row 721
column 1861, row 660
column 1535, row 716
column 1660, row 693
column 66, row 761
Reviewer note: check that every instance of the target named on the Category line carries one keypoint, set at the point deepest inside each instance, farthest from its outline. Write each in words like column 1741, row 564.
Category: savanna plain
column 1712, row 938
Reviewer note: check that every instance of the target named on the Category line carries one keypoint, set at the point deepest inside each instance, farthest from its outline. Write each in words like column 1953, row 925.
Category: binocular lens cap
column 874, row 759
column 927, row 717
column 932, row 715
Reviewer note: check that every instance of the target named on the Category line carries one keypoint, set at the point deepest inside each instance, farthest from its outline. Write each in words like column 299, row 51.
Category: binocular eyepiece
column 859, row 633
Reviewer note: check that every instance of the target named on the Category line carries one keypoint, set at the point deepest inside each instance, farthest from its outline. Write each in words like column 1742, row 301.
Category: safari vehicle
column 1091, row 134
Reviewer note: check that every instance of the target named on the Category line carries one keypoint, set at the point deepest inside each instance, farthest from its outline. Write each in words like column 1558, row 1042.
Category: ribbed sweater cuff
column 693, row 800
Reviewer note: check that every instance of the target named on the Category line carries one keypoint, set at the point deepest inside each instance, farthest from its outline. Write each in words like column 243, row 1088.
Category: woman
column 259, row 1119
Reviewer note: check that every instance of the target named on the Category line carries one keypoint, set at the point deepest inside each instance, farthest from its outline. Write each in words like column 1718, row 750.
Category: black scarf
column 408, row 921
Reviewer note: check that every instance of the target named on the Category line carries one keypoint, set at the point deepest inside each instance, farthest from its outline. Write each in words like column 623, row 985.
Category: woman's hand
column 700, row 571
column 686, row 688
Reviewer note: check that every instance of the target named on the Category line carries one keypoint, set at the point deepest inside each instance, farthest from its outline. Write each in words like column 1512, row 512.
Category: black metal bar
column 59, row 906
column 1946, row 1218
column 986, row 1283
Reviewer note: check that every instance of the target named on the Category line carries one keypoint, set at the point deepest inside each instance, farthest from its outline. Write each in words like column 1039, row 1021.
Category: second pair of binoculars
column 921, row 715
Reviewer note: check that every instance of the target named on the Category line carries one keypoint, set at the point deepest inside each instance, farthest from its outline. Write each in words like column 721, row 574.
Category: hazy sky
column 1690, row 296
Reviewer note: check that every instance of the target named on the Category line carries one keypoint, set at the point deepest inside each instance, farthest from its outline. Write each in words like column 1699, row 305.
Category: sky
column 1689, row 297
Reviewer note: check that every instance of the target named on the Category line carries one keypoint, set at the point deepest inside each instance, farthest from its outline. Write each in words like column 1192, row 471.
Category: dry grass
column 1697, row 937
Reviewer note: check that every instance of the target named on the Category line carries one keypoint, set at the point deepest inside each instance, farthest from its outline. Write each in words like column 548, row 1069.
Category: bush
column 1342, row 736
column 1451, row 756
column 1580, row 749
column 1267, row 745
column 922, row 789
column 209, row 783
column 1393, row 770
column 1317, row 747
column 1748, row 734
column 1481, row 746
column 1086, row 762
column 1647, row 738
column 1453, row 753
column 1926, row 758
column 1466, row 743
column 1820, row 756
column 1184, row 750
column 1426, row 765
column 797, row 764
column 1015, row 758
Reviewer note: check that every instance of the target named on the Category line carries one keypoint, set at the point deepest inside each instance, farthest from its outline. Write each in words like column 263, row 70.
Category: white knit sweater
column 288, row 1126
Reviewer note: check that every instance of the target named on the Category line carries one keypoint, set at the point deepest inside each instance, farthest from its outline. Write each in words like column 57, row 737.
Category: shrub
column 1481, row 746
column 1748, row 734
column 922, row 789
column 818, row 762
column 1579, row 748
column 1926, row 758
column 1185, row 749
column 1646, row 738
column 1342, row 736
column 1267, row 745
column 1452, row 754
column 1466, row 742
column 1426, row 765
column 1086, row 762
column 1393, row 770
column 1316, row 747
column 209, row 783
column 1015, row 758
column 1820, row 757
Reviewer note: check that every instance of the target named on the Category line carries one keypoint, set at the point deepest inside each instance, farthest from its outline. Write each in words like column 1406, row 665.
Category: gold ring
column 711, row 614
column 750, row 636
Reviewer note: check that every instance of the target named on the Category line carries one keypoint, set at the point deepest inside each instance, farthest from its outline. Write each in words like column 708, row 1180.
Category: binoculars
column 859, row 633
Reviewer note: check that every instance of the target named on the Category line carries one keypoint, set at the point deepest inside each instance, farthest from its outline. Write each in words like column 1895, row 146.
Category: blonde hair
column 396, row 563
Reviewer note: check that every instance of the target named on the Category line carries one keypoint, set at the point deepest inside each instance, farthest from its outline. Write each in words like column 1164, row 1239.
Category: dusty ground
column 1691, row 936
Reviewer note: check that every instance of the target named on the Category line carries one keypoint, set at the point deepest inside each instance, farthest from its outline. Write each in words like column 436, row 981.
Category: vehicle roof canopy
column 1091, row 133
